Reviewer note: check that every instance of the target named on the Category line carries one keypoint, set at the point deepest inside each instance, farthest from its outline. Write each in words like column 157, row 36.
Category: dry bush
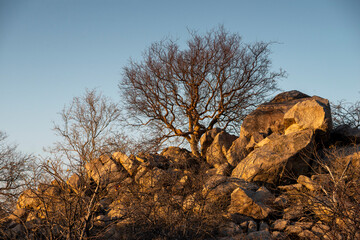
column 62, row 205
column 346, row 113
column 123, row 207
column 334, row 203
column 14, row 167
column 159, row 212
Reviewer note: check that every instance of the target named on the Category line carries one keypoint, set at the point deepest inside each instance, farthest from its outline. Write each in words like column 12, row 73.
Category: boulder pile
column 265, row 183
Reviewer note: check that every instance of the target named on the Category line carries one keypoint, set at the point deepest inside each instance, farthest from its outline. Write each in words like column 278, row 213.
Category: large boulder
column 29, row 199
column 268, row 118
column 129, row 163
column 180, row 158
column 309, row 114
column 286, row 155
column 177, row 154
column 237, row 151
column 217, row 191
column 152, row 178
column 153, row 160
column 75, row 182
column 104, row 170
column 216, row 152
column 207, row 138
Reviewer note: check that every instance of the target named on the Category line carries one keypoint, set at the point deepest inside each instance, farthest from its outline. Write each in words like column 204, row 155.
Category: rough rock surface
column 273, row 161
column 216, row 152
column 28, row 200
column 207, row 138
column 177, row 154
column 104, row 170
column 180, row 157
column 268, row 117
column 129, row 163
column 237, row 151
column 309, row 114
column 250, row 203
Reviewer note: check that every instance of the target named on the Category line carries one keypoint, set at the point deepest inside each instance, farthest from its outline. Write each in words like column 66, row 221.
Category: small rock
column 280, row 224
column 293, row 229
column 264, row 195
column 252, row 226
column 244, row 225
column 308, row 183
column 304, row 225
column 250, row 203
column 308, row 235
column 281, row 200
column 320, row 229
column 229, row 229
column 129, row 163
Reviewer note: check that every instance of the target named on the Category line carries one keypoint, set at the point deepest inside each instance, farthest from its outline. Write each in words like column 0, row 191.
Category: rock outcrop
column 259, row 184
column 288, row 111
column 282, row 135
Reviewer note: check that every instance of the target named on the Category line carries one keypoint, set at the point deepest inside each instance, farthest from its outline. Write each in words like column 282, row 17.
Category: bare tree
column 87, row 129
column 184, row 93
column 66, row 196
column 13, row 166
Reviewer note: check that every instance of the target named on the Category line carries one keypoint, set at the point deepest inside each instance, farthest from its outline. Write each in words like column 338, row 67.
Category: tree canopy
column 214, row 81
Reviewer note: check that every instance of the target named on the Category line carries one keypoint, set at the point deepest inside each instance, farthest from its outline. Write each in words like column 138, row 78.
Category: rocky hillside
column 289, row 175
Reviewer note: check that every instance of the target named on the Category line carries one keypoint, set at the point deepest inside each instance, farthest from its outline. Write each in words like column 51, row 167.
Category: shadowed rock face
column 288, row 96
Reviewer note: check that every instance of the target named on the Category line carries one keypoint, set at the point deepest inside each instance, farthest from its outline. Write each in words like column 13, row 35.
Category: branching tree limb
column 214, row 81
column 13, row 167
column 88, row 128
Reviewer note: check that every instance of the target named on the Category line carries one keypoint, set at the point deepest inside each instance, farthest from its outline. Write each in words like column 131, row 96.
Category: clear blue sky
column 51, row 50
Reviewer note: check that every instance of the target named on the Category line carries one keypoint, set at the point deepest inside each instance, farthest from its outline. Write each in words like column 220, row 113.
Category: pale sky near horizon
column 52, row 50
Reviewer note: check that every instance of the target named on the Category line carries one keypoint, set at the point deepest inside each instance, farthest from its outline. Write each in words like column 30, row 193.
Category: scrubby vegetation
column 289, row 175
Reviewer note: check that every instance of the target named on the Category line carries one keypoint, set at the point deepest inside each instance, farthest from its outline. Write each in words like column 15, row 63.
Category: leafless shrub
column 334, row 201
column 88, row 128
column 13, row 169
column 169, row 210
column 346, row 113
